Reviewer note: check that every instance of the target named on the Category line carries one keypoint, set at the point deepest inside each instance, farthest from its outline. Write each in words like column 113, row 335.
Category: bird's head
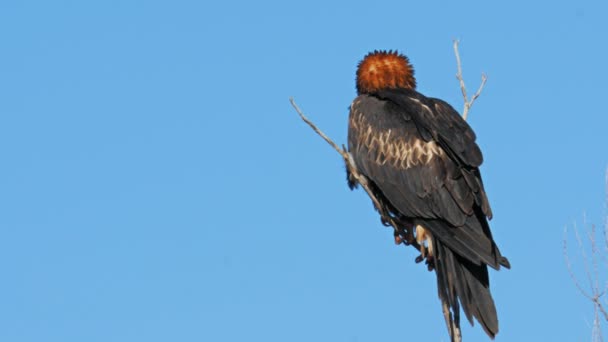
column 382, row 70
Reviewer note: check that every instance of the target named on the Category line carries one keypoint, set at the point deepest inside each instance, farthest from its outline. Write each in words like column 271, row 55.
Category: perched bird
column 421, row 161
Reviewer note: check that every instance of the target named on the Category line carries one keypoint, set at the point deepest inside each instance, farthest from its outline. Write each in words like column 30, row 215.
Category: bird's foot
column 424, row 239
column 429, row 261
column 404, row 235
column 398, row 238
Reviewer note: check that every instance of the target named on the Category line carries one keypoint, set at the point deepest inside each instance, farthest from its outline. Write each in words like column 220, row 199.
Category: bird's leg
column 421, row 238
column 409, row 235
column 424, row 239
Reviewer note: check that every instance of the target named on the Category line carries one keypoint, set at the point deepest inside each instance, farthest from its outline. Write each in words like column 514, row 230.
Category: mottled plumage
column 421, row 158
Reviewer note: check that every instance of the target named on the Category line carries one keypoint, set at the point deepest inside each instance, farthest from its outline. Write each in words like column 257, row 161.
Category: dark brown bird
column 422, row 162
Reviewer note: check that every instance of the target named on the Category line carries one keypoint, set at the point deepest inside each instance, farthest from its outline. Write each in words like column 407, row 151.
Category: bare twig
column 569, row 264
column 591, row 267
column 387, row 218
column 606, row 223
column 468, row 103
column 342, row 152
column 601, row 307
column 592, row 276
column 452, row 324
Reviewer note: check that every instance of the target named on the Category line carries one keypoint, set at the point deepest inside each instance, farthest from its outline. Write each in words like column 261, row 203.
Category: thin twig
column 601, row 307
column 467, row 103
column 606, row 223
column 569, row 264
column 463, row 88
column 592, row 272
column 583, row 252
column 318, row 131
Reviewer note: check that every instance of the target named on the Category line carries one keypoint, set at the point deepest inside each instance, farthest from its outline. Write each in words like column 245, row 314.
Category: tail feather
column 462, row 283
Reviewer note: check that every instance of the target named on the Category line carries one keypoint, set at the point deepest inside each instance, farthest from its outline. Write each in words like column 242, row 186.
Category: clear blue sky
column 156, row 185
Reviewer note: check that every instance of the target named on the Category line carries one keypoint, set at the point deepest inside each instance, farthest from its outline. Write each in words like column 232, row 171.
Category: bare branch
column 601, row 307
column 584, row 252
column 319, row 132
column 467, row 103
column 569, row 264
column 484, row 78
column 360, row 178
column 463, row 88
column 453, row 326
column 591, row 266
column 606, row 223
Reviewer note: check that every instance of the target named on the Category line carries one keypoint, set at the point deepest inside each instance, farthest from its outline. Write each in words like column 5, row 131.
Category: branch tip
column 468, row 103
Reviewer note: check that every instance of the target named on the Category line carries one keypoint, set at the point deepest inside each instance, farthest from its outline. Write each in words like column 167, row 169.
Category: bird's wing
column 423, row 158
column 444, row 125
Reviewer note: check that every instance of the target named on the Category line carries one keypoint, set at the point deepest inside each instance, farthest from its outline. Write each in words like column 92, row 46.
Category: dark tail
column 462, row 283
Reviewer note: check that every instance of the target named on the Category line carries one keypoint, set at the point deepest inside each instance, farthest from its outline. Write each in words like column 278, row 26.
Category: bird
column 420, row 159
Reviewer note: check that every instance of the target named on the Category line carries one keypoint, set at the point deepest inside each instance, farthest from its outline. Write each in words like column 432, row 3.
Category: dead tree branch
column 386, row 217
column 468, row 103
column 595, row 291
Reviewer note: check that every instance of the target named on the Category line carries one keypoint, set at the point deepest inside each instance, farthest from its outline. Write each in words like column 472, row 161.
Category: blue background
column 156, row 184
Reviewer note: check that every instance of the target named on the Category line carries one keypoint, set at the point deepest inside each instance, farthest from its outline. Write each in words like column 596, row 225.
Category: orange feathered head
column 382, row 69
